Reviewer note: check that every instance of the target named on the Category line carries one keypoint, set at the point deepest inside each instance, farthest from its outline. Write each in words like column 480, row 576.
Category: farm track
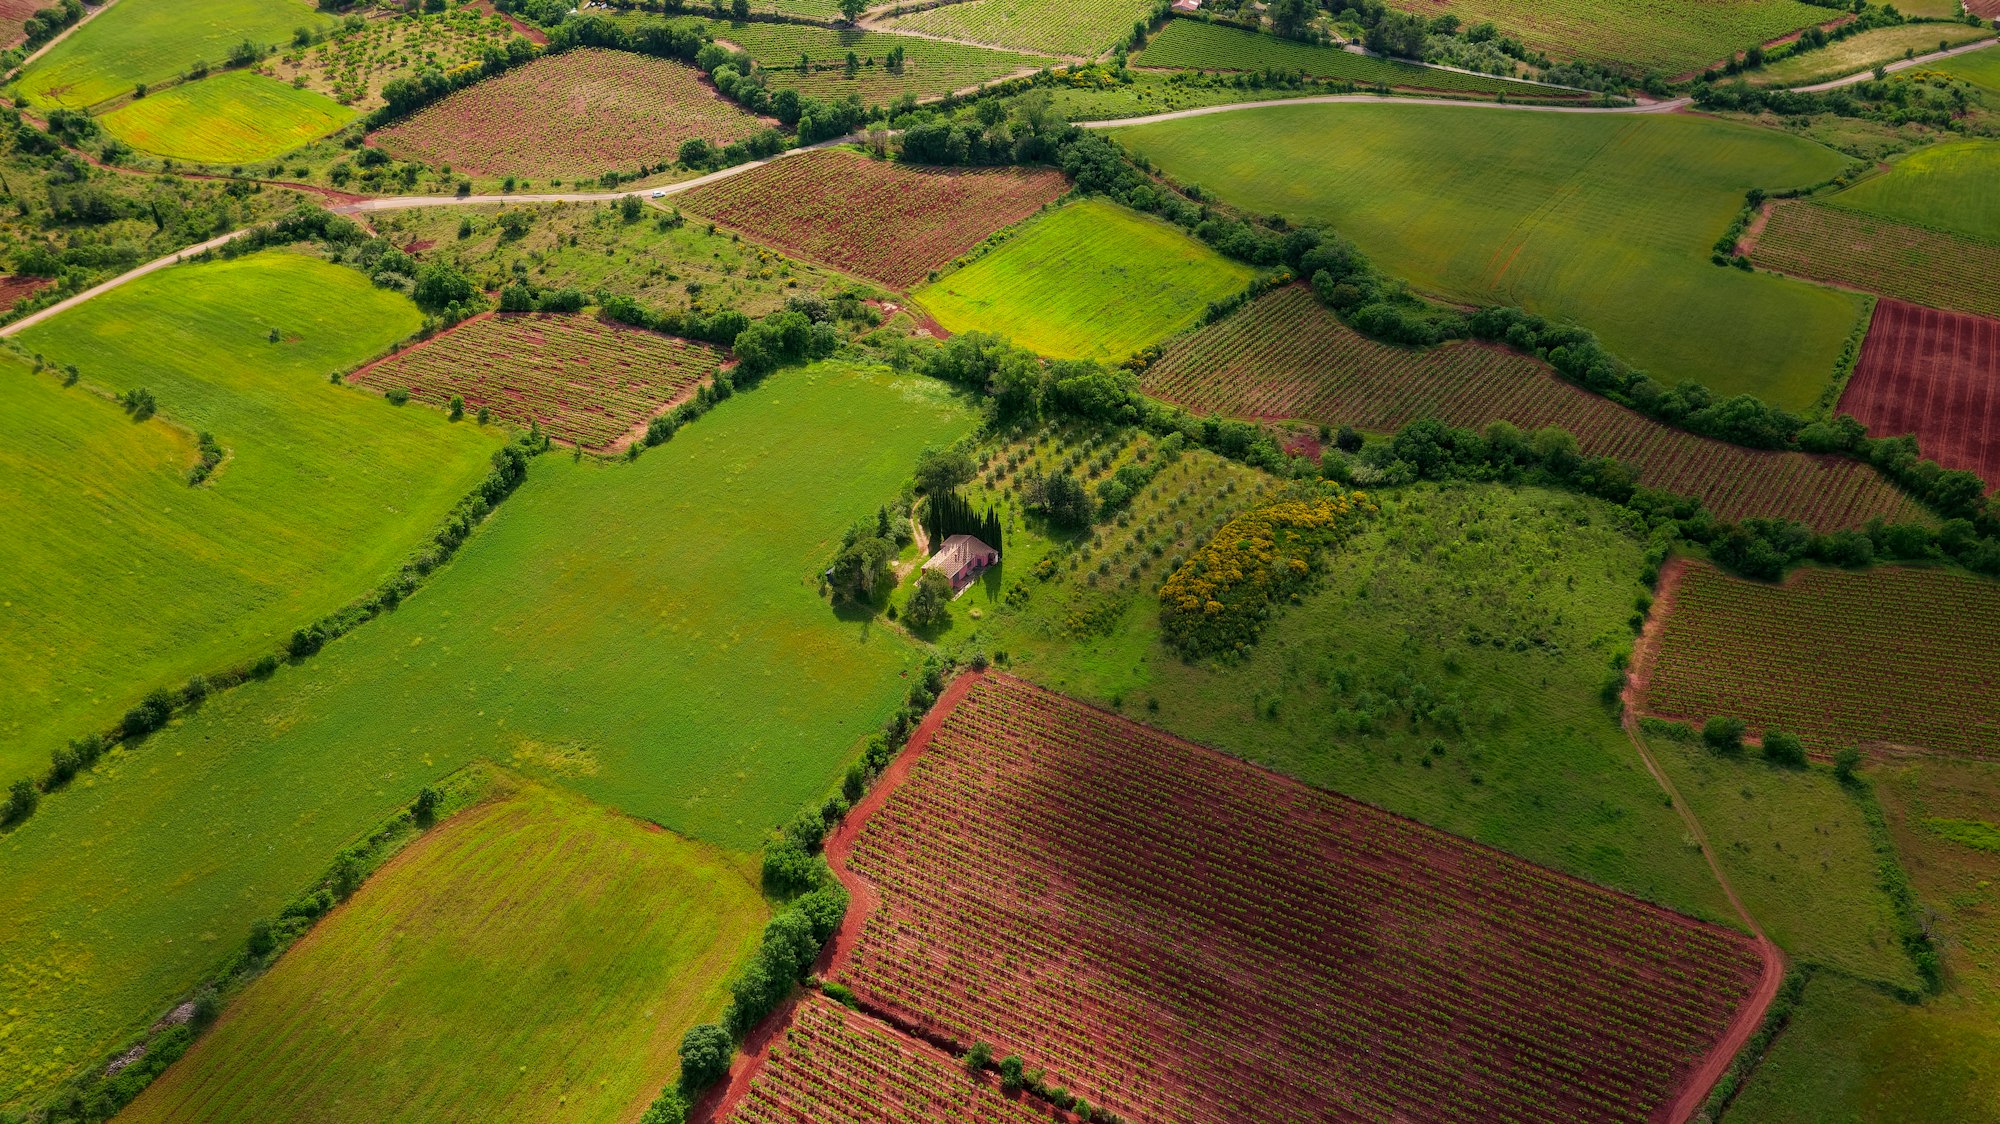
column 1901, row 64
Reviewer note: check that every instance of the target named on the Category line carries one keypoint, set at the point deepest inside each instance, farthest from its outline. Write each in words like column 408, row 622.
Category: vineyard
column 884, row 221
column 1906, row 262
column 1286, row 356
column 353, row 67
column 577, row 114
column 583, row 380
column 1934, row 374
column 1181, row 937
column 833, row 1066
column 1893, row 655
column 1085, row 29
column 813, row 61
column 1673, row 37
column 1194, row 45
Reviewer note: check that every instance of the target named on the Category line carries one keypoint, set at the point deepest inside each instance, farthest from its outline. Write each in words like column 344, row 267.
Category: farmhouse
column 1187, row 5
column 962, row 558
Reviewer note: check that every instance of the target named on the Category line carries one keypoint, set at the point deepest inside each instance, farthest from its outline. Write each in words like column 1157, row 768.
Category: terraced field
column 888, row 222
column 1194, row 45
column 1080, row 29
column 1883, row 256
column 813, row 61
column 1181, row 937
column 1287, row 356
column 1893, row 655
column 583, row 380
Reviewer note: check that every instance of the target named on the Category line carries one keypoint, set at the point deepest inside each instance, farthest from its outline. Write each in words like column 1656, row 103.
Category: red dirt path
column 1934, row 374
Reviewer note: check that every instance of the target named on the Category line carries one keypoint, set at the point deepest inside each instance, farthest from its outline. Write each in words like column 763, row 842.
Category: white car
column 659, row 195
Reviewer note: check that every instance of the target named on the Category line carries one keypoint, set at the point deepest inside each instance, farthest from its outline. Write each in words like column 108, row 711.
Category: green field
column 1981, row 68
column 931, row 68
column 150, row 41
column 1074, row 28
column 1673, row 38
column 536, row 958
column 1194, row 45
column 648, row 633
column 233, row 118
column 1090, row 280
column 1604, row 220
column 1448, row 669
column 1946, row 187
column 137, row 580
column 1863, row 52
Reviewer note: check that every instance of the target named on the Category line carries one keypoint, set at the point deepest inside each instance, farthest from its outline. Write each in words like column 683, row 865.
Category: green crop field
column 1090, row 280
column 1981, row 68
column 648, row 633
column 232, row 118
column 1194, row 45
column 323, row 493
column 1604, row 220
column 1946, row 187
column 1673, row 38
column 151, row 41
column 536, row 958
column 1083, row 29
column 1846, row 247
column 1863, row 52
column 931, row 68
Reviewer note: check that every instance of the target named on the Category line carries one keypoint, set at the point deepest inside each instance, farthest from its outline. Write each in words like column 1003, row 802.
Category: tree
column 705, row 1052
column 941, row 470
column 21, row 801
column 1061, row 498
column 1781, row 748
column 850, row 10
column 1723, row 735
column 440, row 284
column 1845, row 763
column 1289, row 17
column 1348, row 440
column 862, row 563
column 630, row 208
column 930, row 604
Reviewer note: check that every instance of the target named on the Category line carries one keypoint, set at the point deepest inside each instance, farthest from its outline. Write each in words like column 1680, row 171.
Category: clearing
column 153, row 41
column 1936, row 375
column 535, row 958
column 888, row 222
column 1090, row 280
column 322, row 494
column 586, row 381
column 1288, row 356
column 1605, row 220
column 1894, row 656
column 1882, row 256
column 1179, row 936
column 574, row 115
column 233, row 118
column 634, row 631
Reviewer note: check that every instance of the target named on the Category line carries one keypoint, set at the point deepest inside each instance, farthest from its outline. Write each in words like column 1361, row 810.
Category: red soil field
column 1893, row 657
column 830, row 1065
column 1286, row 356
column 1937, row 375
column 14, row 13
column 1185, row 938
column 15, row 286
column 578, row 115
column 585, row 381
column 887, row 222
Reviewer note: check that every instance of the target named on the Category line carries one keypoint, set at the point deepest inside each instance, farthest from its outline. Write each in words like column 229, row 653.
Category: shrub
column 1723, row 735
column 21, row 801
column 151, row 714
column 1845, row 763
column 1217, row 602
column 705, row 1053
column 1781, row 748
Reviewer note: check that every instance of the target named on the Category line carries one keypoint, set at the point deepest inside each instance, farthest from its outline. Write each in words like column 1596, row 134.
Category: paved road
column 1904, row 64
column 1324, row 99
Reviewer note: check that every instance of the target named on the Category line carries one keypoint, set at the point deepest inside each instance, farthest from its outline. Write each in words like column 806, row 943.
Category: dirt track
column 1904, row 64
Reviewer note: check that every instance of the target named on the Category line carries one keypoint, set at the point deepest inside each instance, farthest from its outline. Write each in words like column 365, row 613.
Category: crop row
column 1936, row 375
column 1193, row 45
column 884, row 221
column 1901, row 656
column 1891, row 258
column 813, row 61
column 1182, row 937
column 1077, row 28
column 577, row 114
column 1286, row 356
column 582, row 380
column 832, row 1066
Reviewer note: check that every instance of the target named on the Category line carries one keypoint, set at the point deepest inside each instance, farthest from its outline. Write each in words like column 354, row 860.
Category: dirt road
column 1901, row 64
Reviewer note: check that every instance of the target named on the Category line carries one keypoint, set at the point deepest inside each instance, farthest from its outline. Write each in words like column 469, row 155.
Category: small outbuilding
column 963, row 558
column 1187, row 5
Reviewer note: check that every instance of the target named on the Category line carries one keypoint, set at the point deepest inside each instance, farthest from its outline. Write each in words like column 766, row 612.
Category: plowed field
column 1934, row 374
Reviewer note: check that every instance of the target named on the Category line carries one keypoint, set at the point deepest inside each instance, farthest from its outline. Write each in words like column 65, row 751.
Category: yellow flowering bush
column 1216, row 603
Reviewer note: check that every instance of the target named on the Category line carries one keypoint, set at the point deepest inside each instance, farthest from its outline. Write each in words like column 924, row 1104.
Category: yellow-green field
column 536, row 958
column 232, row 118
column 136, row 580
column 1090, row 280
column 150, row 41
column 1949, row 187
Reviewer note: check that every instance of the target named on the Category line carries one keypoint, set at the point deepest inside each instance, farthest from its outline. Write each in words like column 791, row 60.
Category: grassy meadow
column 232, row 118
column 1090, row 280
column 536, row 958
column 137, row 580
column 648, row 633
column 1604, row 220
column 1946, row 187
column 1981, row 68
column 150, row 41
column 1074, row 28
column 1492, row 613
column 1864, row 52
column 1194, row 45
column 1674, row 38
